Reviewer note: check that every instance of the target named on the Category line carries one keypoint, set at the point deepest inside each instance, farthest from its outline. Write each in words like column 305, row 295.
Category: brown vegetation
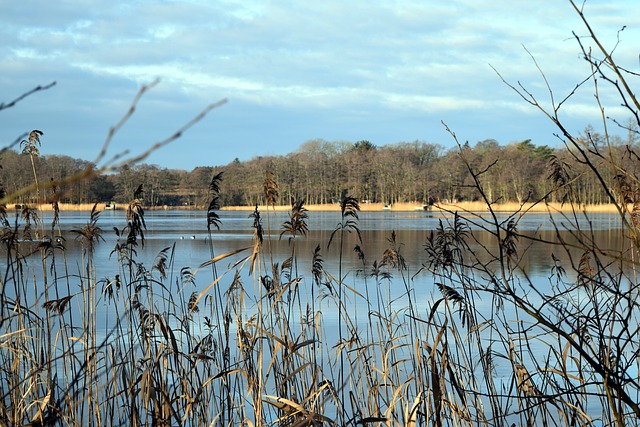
column 250, row 344
column 446, row 207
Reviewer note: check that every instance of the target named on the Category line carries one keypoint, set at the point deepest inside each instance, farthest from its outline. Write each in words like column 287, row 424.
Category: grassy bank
column 459, row 206
column 48, row 207
column 100, row 206
column 367, row 207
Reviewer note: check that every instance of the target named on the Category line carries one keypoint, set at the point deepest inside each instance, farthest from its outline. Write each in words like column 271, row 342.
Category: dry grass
column 73, row 206
column 460, row 206
column 527, row 207
column 248, row 343
column 371, row 207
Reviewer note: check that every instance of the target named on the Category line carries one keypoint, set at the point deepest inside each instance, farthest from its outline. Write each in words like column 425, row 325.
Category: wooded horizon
column 322, row 172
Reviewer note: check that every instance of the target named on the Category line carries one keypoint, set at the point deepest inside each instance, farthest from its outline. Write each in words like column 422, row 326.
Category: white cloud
column 409, row 57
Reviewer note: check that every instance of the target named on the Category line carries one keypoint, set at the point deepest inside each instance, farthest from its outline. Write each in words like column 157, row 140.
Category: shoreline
column 476, row 207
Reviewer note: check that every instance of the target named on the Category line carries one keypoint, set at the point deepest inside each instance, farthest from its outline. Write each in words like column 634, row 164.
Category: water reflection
column 187, row 231
column 185, row 234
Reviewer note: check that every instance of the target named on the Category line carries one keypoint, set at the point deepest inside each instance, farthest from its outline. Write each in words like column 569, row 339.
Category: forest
column 321, row 172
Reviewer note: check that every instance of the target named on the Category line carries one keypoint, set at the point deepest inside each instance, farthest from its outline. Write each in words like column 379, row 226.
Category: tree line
column 322, row 172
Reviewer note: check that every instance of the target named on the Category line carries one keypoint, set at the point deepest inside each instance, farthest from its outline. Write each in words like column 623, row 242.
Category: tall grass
column 251, row 346
column 461, row 206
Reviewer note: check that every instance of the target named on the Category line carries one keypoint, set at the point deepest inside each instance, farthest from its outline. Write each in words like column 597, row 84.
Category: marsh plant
column 251, row 344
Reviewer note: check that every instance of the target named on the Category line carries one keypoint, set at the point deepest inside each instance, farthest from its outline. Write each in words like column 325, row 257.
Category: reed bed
column 366, row 207
column 524, row 207
column 251, row 345
column 77, row 207
column 511, row 207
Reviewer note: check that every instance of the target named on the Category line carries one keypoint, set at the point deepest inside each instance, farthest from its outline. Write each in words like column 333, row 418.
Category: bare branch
column 114, row 129
column 4, row 106
column 544, row 77
column 117, row 161
column 608, row 58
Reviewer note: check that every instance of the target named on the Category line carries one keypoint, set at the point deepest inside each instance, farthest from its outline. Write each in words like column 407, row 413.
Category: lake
column 185, row 233
column 182, row 236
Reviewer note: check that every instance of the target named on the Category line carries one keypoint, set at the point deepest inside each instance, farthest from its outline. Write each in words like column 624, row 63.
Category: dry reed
column 440, row 206
column 253, row 345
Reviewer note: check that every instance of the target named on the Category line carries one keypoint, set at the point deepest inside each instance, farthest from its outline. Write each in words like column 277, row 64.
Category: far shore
column 365, row 207
column 447, row 207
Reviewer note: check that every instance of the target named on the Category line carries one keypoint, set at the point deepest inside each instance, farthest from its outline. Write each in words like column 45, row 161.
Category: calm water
column 186, row 232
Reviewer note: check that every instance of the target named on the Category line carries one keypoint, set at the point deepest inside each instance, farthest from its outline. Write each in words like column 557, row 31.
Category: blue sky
column 292, row 71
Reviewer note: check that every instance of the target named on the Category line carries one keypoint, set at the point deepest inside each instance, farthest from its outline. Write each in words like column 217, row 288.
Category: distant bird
column 193, row 237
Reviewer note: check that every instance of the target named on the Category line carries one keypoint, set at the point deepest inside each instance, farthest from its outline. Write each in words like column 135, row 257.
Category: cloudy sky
column 379, row 70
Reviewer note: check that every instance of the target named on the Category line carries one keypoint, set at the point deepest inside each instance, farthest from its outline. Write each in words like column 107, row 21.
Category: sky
column 294, row 71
